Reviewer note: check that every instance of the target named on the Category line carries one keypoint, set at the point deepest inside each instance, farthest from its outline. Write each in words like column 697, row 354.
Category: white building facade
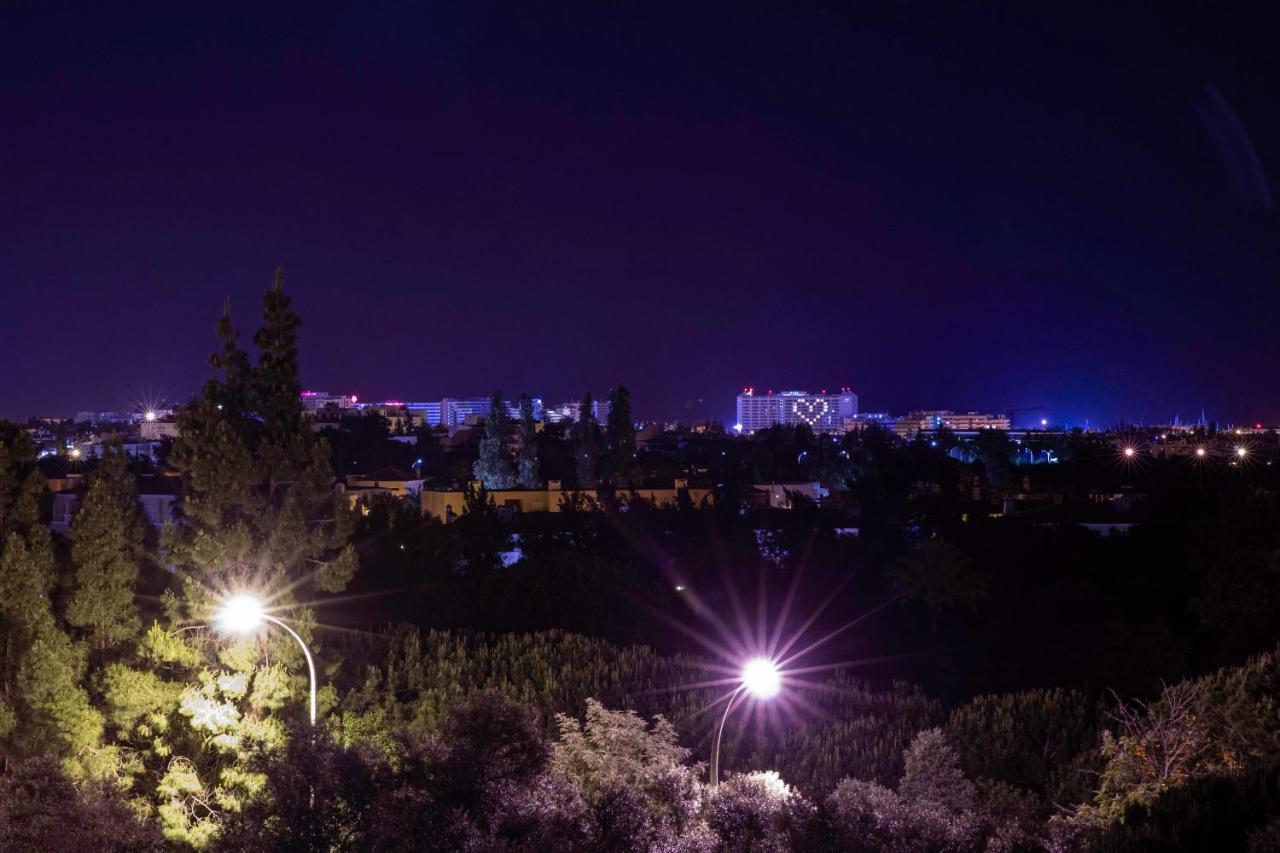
column 823, row 412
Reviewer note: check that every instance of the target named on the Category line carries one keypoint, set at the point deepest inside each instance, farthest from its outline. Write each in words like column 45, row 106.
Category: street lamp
column 243, row 613
column 760, row 678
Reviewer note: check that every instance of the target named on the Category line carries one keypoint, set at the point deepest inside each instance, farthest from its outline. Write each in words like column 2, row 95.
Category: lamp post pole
column 715, row 749
column 244, row 613
column 311, row 664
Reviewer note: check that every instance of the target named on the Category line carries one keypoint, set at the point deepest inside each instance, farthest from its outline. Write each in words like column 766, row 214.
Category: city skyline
column 844, row 408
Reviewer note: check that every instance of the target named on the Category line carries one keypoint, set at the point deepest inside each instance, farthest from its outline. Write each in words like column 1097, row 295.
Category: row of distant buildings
column 836, row 412
column 449, row 413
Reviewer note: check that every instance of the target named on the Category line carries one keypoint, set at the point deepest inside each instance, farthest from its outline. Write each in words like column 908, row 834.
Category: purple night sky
column 941, row 205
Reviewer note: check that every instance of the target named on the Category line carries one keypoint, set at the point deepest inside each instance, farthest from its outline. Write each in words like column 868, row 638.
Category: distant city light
column 75, row 453
column 1129, row 451
column 1200, row 451
column 1242, row 452
column 1044, row 422
column 150, row 416
column 737, row 427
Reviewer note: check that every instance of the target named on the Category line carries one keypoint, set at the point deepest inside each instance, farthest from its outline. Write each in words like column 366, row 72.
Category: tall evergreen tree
column 260, row 514
column 21, row 482
column 586, row 444
column 107, row 549
column 257, row 486
column 494, row 468
column 527, row 473
column 42, row 706
column 620, row 434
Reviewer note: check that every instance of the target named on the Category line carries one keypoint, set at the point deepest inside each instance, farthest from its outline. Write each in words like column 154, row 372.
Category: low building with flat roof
column 447, row 505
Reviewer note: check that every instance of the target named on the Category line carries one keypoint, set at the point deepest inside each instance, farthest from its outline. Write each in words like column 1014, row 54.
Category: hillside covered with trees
column 964, row 680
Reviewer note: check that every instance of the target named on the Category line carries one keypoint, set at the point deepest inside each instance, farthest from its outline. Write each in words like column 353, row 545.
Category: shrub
column 756, row 812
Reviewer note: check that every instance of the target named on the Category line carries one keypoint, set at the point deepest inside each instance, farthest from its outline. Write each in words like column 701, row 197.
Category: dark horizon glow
column 988, row 207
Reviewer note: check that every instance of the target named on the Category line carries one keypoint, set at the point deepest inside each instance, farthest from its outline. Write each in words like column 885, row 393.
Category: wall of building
column 448, row 505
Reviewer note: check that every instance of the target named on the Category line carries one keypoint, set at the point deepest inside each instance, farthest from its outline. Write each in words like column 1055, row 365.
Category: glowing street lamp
column 1129, row 452
column 149, row 416
column 243, row 614
column 1201, row 452
column 1242, row 452
column 760, row 678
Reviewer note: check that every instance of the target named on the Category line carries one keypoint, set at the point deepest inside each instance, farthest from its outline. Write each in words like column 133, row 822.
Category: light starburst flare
column 761, row 678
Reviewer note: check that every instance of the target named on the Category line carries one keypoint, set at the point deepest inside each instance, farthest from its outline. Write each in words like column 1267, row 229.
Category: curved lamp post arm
column 311, row 665
column 715, row 749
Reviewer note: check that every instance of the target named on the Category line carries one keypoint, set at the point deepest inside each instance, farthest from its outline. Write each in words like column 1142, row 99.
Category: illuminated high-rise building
column 823, row 412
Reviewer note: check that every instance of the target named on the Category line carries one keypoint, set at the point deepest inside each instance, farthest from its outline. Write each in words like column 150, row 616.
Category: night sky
column 965, row 206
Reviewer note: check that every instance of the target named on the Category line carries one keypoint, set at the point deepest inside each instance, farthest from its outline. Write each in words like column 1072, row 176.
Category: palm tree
column 940, row 577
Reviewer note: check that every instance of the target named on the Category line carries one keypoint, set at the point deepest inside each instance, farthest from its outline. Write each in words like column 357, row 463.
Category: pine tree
column 21, row 482
column 586, row 444
column 42, row 707
column 933, row 773
column 257, row 487
column 493, row 468
column 107, row 549
column 527, row 473
column 260, row 514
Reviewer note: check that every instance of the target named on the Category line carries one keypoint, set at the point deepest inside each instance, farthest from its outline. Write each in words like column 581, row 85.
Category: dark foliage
column 41, row 811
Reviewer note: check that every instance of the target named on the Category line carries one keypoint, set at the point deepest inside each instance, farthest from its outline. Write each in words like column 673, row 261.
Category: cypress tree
column 620, row 433
column 527, row 473
column 493, row 468
column 107, row 549
column 586, row 444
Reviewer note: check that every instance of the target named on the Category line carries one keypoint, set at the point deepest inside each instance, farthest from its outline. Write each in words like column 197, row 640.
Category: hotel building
column 823, row 412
